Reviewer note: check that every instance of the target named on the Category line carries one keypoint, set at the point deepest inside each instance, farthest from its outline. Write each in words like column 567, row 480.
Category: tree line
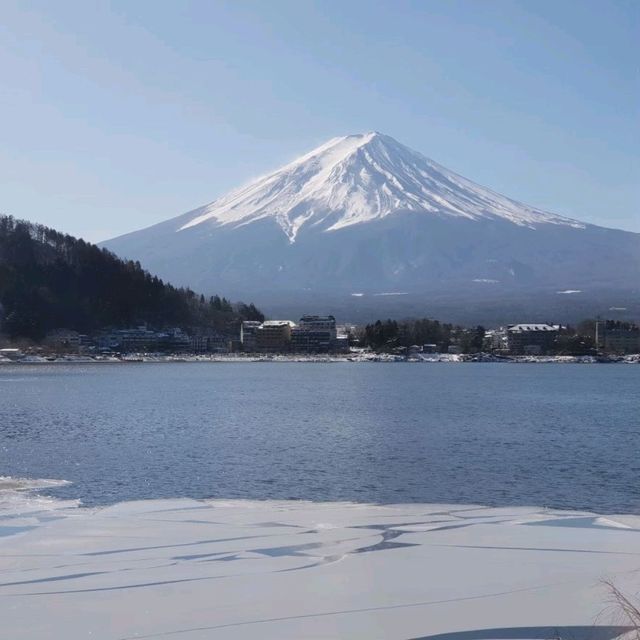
column 388, row 335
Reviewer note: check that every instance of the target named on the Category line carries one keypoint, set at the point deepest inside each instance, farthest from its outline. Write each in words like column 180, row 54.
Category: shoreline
column 26, row 491
column 350, row 358
column 32, row 493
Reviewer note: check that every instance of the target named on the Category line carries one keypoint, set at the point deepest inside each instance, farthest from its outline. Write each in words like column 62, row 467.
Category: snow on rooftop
column 278, row 323
column 520, row 328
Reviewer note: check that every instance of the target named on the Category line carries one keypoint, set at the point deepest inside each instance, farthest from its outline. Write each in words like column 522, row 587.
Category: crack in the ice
column 322, row 614
column 171, row 546
column 551, row 549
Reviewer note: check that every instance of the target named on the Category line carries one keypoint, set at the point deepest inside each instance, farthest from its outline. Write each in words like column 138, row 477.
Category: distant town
column 315, row 335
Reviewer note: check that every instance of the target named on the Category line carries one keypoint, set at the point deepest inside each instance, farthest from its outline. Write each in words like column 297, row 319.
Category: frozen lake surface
column 288, row 570
column 561, row 436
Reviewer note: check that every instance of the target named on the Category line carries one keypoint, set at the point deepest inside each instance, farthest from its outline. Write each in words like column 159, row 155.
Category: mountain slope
column 365, row 214
column 362, row 178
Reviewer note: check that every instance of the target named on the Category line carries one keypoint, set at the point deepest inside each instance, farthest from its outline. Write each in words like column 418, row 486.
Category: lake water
column 554, row 435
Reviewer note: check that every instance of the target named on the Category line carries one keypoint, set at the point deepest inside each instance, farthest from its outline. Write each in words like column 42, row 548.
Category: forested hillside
column 51, row 280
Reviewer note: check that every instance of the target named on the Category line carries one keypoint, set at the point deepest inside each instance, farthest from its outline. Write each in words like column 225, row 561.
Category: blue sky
column 116, row 115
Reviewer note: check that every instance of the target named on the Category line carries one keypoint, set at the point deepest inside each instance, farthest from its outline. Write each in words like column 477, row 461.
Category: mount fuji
column 363, row 225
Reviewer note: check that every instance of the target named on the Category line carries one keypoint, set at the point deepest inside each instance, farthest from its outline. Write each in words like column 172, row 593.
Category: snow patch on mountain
column 361, row 178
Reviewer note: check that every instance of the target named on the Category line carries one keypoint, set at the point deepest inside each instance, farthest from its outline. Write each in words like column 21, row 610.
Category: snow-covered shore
column 356, row 356
column 242, row 569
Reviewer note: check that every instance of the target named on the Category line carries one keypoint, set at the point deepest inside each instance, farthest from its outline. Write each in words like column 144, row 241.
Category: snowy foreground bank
column 238, row 569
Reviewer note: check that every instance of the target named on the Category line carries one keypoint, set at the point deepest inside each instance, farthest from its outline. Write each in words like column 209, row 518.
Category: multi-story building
column 622, row 341
column 138, row 339
column 274, row 336
column 248, row 335
column 342, row 344
column 143, row 339
column 319, row 323
column 532, row 339
column 67, row 340
column 209, row 342
column 314, row 334
column 174, row 340
column 496, row 339
column 617, row 337
column 310, row 341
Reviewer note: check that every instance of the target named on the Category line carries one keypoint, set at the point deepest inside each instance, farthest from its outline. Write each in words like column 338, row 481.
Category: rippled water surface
column 550, row 435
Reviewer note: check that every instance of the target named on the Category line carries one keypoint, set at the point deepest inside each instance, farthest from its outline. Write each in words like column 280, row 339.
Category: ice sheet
column 241, row 569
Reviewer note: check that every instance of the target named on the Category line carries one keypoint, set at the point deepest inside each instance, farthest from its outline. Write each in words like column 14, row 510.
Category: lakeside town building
column 617, row 337
column 274, row 336
column 209, row 341
column 249, row 335
column 11, row 354
column 142, row 339
column 67, row 340
column 312, row 334
column 531, row 339
column 496, row 340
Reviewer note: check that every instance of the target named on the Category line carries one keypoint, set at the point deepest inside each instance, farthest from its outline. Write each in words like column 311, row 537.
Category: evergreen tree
column 49, row 280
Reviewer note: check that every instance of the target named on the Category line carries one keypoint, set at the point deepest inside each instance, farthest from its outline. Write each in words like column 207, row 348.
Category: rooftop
column 278, row 323
column 522, row 328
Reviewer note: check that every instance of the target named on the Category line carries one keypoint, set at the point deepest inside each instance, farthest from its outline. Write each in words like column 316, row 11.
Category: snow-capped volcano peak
column 360, row 178
column 364, row 214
